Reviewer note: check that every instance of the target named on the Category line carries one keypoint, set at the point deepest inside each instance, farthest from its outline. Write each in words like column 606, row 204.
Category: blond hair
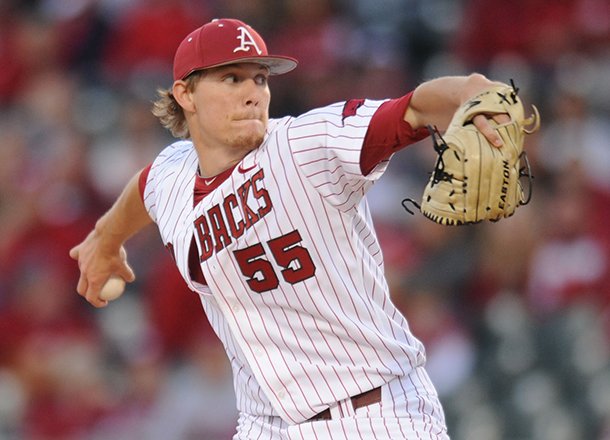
column 170, row 113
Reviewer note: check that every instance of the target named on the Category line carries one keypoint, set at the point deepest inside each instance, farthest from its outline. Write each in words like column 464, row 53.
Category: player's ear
column 183, row 95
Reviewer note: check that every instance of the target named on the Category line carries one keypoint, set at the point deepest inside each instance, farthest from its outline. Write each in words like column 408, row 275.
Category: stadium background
column 515, row 315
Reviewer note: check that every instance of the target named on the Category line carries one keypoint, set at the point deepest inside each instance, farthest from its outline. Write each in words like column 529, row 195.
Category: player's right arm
column 101, row 254
column 435, row 102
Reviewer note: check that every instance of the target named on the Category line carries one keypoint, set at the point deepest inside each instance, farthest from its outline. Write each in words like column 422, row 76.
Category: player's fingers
column 126, row 272
column 96, row 302
column 483, row 125
column 82, row 286
column 93, row 296
column 74, row 252
column 502, row 118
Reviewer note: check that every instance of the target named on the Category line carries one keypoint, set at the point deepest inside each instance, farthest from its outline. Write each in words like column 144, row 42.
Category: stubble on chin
column 248, row 142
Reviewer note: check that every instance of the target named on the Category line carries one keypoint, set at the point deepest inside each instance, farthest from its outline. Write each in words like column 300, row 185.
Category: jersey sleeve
column 327, row 144
column 388, row 132
column 146, row 187
column 142, row 178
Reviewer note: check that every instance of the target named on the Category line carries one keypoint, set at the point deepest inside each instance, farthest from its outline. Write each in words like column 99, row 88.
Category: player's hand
column 97, row 263
column 485, row 123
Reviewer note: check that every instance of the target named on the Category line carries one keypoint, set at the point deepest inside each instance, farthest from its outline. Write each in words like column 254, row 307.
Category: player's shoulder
column 178, row 148
column 176, row 151
column 337, row 112
column 175, row 155
column 278, row 123
column 322, row 113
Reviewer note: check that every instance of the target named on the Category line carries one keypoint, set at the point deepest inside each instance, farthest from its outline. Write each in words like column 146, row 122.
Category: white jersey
column 295, row 285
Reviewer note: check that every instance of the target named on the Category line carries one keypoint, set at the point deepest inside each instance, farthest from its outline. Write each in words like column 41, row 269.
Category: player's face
column 232, row 106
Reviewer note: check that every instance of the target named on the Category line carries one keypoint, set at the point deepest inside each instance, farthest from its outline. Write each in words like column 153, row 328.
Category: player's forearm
column 126, row 217
column 434, row 102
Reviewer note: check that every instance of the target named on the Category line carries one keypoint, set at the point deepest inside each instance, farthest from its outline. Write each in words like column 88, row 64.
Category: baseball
column 114, row 287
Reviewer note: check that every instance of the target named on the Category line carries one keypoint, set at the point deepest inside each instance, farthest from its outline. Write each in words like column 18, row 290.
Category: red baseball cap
column 226, row 41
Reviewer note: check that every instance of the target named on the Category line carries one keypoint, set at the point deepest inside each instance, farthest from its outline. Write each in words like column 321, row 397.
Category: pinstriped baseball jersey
column 293, row 279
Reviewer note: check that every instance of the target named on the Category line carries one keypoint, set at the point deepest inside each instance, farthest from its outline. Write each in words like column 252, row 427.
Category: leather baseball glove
column 473, row 180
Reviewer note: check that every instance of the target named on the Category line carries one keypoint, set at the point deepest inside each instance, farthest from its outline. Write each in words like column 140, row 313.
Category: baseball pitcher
column 268, row 223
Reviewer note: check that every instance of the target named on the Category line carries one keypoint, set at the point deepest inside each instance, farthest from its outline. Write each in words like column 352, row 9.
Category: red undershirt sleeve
column 388, row 133
column 142, row 180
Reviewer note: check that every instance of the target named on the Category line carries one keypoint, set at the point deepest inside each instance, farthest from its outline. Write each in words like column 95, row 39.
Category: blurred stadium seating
column 515, row 315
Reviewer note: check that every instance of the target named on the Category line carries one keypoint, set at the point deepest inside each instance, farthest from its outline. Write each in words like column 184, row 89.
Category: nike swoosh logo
column 209, row 181
column 245, row 170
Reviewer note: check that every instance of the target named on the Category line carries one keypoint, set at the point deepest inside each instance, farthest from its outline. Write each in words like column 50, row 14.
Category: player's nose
column 252, row 93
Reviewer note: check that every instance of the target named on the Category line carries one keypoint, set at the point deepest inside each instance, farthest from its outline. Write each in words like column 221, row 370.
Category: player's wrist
column 109, row 240
column 476, row 83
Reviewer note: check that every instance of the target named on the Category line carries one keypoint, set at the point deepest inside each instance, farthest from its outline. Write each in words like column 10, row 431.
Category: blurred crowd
column 515, row 315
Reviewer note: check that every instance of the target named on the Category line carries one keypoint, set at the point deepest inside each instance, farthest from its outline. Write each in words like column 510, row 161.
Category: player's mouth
column 248, row 118
column 249, row 123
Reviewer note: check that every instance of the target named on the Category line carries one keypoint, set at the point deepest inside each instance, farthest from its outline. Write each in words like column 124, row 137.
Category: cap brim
column 277, row 65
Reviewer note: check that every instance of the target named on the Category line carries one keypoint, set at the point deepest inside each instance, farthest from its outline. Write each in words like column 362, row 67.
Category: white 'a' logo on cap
column 246, row 40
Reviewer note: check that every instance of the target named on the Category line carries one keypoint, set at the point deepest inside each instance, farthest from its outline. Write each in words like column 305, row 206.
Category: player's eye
column 261, row 80
column 230, row 78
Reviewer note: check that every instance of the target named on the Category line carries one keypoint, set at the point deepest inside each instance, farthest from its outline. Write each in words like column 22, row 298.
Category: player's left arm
column 434, row 102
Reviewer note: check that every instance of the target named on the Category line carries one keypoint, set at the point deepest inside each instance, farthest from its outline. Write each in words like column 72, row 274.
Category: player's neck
column 217, row 155
column 214, row 161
